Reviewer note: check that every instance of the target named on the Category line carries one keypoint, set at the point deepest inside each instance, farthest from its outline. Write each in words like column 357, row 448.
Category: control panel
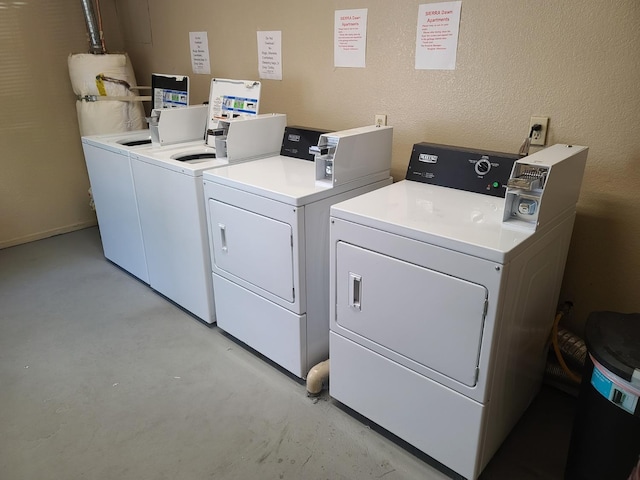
column 472, row 170
column 297, row 141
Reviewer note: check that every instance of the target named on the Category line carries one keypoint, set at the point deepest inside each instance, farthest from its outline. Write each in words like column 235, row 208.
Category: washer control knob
column 483, row 166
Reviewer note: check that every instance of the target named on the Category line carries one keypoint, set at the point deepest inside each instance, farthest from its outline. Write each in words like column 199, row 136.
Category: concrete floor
column 101, row 378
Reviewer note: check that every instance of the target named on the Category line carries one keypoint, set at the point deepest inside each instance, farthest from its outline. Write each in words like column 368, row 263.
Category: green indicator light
column 495, row 184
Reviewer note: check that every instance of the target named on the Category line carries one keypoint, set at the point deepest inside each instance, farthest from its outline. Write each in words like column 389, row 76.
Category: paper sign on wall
column 270, row 55
column 437, row 35
column 350, row 38
column 199, row 42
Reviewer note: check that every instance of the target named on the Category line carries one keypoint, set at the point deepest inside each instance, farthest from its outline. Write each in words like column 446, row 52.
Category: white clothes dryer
column 268, row 234
column 442, row 299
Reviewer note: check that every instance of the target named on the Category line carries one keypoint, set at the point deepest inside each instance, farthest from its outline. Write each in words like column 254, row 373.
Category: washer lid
column 232, row 98
column 614, row 340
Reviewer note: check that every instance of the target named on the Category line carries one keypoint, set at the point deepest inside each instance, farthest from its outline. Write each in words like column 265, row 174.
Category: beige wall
column 43, row 179
column 573, row 61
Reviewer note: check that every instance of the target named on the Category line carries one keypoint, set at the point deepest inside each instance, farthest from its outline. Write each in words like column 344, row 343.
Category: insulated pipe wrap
column 107, row 116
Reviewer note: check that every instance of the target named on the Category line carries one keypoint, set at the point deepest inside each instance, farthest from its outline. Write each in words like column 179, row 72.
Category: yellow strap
column 100, row 85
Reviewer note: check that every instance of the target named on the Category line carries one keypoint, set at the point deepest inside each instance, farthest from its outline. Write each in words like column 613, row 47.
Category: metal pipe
column 96, row 45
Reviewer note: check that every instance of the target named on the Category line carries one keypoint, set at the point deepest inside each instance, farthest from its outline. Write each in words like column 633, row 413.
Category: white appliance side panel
column 472, row 269
column 521, row 345
column 275, row 332
column 117, row 209
column 361, row 155
column 441, row 422
column 432, row 318
column 269, row 210
column 174, row 232
column 256, row 248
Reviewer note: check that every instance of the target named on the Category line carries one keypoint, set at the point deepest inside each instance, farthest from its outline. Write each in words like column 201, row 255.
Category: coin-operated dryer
column 443, row 292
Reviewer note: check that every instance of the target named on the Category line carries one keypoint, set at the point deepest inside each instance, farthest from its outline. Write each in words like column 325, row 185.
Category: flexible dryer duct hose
column 316, row 377
column 96, row 42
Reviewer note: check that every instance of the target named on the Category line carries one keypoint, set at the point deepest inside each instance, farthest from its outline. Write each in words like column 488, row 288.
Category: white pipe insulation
column 105, row 77
column 113, row 115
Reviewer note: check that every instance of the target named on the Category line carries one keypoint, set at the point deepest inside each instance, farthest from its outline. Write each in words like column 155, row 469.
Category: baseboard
column 46, row 234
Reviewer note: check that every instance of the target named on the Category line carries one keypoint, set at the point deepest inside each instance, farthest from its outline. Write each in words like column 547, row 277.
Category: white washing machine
column 269, row 234
column 442, row 300
column 109, row 167
column 169, row 188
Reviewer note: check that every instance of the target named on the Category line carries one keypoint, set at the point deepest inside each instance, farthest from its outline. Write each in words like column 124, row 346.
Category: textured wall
column 43, row 178
column 573, row 61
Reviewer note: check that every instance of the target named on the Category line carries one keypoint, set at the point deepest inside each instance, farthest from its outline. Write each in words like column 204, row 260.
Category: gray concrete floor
column 101, row 378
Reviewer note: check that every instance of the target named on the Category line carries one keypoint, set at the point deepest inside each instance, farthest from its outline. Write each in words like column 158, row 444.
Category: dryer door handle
column 223, row 236
column 355, row 291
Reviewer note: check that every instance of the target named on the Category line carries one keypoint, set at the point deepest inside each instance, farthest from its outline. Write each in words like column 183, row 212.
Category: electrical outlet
column 539, row 137
column 380, row 120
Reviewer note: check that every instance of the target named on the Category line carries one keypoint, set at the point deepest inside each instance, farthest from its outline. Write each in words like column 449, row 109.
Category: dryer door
column 253, row 247
column 429, row 317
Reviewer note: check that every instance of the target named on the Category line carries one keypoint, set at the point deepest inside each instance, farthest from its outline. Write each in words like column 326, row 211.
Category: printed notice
column 199, row 42
column 437, row 36
column 270, row 55
column 350, row 38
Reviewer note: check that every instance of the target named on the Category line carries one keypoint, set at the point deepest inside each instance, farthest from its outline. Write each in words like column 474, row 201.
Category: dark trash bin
column 605, row 441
